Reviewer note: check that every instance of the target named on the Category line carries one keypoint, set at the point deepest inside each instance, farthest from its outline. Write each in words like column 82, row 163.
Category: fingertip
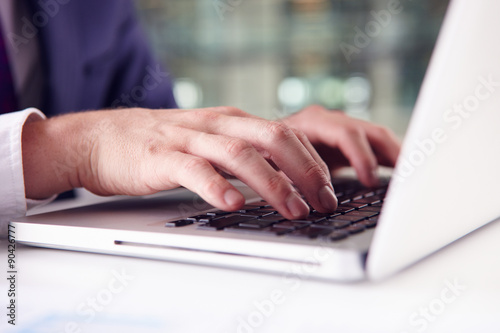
column 327, row 199
column 233, row 199
column 371, row 179
column 297, row 207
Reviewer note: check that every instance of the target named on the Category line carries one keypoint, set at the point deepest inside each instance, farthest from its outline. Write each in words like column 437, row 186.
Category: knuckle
column 367, row 161
column 301, row 135
column 195, row 164
column 207, row 116
column 312, row 170
column 238, row 148
column 211, row 185
column 322, row 164
column 382, row 131
column 351, row 131
column 278, row 132
column 234, row 111
column 274, row 184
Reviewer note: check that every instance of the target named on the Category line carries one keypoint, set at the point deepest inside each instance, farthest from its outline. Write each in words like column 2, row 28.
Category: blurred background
column 273, row 57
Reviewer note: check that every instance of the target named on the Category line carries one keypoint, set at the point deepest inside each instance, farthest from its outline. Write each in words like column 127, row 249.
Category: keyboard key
column 368, row 223
column 309, row 232
column 338, row 235
column 322, row 215
column 218, row 213
column 331, row 224
column 224, row 222
column 256, row 224
column 201, row 218
column 344, row 209
column 272, row 218
column 369, row 194
column 343, row 199
column 355, row 228
column 361, row 213
column 310, row 219
column 294, row 225
column 247, row 208
column 355, row 205
column 178, row 223
column 347, row 217
column 269, row 231
column 257, row 213
column 370, row 209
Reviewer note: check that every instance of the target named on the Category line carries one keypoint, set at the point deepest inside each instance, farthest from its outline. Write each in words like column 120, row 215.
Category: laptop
column 444, row 186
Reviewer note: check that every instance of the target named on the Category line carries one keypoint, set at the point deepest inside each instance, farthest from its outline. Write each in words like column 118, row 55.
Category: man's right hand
column 141, row 151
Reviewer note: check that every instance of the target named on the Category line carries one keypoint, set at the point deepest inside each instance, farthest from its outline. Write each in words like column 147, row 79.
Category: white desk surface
column 63, row 291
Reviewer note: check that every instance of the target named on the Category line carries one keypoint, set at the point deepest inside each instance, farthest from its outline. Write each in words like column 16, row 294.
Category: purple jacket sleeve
column 95, row 55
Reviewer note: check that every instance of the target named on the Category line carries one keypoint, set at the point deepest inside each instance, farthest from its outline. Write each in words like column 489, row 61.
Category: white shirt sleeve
column 13, row 201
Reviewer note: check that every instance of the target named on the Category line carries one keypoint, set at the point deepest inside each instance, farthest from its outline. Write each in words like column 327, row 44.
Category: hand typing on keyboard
column 140, row 151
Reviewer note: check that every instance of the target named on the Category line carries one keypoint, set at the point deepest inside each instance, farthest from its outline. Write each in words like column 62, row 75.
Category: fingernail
column 296, row 206
column 233, row 197
column 327, row 198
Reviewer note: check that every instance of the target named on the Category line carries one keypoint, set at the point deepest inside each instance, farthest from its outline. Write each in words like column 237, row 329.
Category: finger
column 198, row 175
column 278, row 143
column 385, row 144
column 314, row 153
column 354, row 144
column 241, row 159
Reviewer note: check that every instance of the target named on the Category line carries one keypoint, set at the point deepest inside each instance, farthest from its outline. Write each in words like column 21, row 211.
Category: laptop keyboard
column 357, row 211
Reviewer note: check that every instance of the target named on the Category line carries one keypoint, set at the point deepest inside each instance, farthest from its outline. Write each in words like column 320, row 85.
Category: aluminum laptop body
column 445, row 184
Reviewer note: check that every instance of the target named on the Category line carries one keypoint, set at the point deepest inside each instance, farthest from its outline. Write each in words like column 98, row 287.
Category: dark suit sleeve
column 95, row 55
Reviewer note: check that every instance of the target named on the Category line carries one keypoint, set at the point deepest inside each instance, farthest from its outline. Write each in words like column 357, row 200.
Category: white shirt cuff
column 13, row 201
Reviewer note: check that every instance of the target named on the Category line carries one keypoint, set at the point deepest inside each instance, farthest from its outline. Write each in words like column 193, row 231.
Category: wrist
column 53, row 152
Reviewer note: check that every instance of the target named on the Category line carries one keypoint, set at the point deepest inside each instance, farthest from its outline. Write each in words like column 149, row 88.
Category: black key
column 364, row 201
column 370, row 209
column 247, row 208
column 293, row 225
column 361, row 213
column 355, row 205
column 368, row 223
column 317, row 214
column 255, row 224
column 343, row 199
column 218, row 213
column 344, row 209
column 338, row 235
column 256, row 213
column 329, row 224
column 358, row 195
column 271, row 231
column 310, row 219
column 224, row 222
column 272, row 218
column 309, row 232
column 178, row 223
column 266, row 210
column 347, row 217
column 201, row 218
column 355, row 228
